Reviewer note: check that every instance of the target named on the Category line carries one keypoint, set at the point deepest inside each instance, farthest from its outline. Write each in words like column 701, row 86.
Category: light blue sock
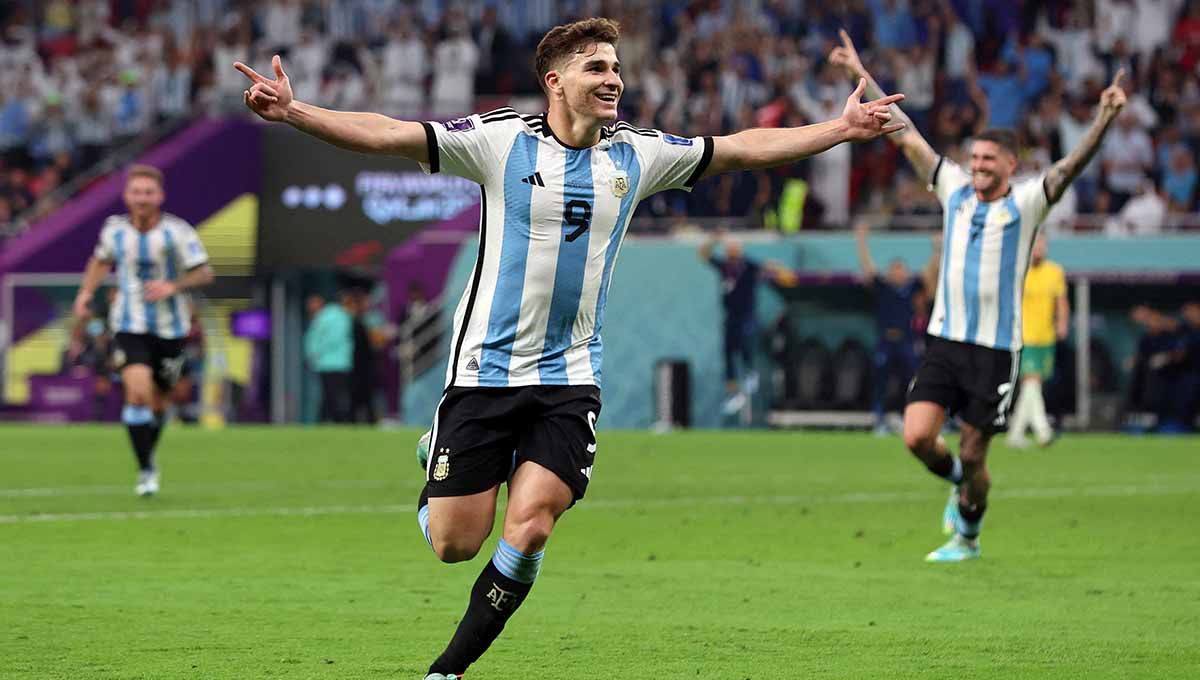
column 956, row 474
column 137, row 415
column 515, row 564
column 423, row 521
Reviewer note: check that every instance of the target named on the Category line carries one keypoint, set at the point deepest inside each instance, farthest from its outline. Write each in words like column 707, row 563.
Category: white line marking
column 225, row 487
column 612, row 503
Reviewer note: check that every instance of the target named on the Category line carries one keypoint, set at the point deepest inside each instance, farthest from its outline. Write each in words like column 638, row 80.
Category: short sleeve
column 106, row 249
column 673, row 162
column 1031, row 199
column 948, row 178
column 1060, row 282
column 191, row 250
column 466, row 147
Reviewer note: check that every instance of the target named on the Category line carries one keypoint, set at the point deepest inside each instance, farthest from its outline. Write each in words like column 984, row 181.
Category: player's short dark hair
column 1005, row 139
column 573, row 38
column 143, row 170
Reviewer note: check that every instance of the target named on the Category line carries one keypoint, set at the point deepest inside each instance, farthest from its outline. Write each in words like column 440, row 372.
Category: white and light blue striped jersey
column 164, row 253
column 551, row 225
column 985, row 253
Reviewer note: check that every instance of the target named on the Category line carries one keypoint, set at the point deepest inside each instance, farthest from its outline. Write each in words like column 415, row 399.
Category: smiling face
column 143, row 198
column 588, row 82
column 991, row 167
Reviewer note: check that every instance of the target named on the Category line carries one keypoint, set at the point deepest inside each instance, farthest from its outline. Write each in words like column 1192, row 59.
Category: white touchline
column 611, row 503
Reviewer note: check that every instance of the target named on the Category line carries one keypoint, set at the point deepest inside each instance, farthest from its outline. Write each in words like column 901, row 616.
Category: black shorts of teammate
column 972, row 381
column 477, row 429
column 164, row 356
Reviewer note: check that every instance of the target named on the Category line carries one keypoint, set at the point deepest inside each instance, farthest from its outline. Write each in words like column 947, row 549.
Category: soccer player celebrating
column 1045, row 314
column 558, row 190
column 158, row 257
column 970, row 363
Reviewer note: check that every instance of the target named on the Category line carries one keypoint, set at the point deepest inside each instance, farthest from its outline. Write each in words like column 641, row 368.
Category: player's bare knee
column 921, row 442
column 456, row 549
column 530, row 534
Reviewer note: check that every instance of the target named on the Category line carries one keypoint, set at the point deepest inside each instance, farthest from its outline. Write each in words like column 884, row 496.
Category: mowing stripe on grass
column 613, row 503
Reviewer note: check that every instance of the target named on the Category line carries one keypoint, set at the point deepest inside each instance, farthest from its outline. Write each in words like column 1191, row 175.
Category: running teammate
column 158, row 258
column 970, row 364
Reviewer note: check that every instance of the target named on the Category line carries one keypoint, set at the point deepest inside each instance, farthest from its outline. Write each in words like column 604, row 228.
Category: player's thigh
column 138, row 381
column 459, row 525
column 537, row 497
column 923, row 421
column 560, row 434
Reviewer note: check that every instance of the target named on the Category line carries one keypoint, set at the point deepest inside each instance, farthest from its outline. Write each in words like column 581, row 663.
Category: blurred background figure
column 900, row 296
column 1045, row 318
column 329, row 349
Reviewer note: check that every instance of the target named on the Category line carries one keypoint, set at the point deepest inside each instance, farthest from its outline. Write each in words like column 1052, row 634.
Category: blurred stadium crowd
column 79, row 77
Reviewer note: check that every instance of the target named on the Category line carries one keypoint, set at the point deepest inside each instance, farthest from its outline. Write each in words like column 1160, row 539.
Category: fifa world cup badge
column 620, row 183
column 441, row 470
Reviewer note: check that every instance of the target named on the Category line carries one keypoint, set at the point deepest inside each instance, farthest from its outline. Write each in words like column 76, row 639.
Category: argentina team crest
column 620, row 183
column 441, row 470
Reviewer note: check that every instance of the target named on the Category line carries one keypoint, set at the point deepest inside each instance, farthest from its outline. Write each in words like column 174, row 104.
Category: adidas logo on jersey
column 535, row 179
column 472, row 365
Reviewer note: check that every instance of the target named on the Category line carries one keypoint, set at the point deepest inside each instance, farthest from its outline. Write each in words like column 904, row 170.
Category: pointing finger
column 1117, row 78
column 846, row 42
column 889, row 100
column 249, row 72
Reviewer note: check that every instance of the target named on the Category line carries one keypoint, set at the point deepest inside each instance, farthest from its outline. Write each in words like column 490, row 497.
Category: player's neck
column 574, row 131
column 994, row 195
column 145, row 223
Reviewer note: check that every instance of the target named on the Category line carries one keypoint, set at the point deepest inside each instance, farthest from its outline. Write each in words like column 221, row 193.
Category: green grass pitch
column 294, row 553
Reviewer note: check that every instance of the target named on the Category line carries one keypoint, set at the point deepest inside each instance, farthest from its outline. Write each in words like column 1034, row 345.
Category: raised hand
column 1112, row 99
column 868, row 120
column 847, row 57
column 270, row 99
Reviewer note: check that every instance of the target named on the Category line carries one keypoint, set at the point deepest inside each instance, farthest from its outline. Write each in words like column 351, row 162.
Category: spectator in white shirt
column 404, row 69
column 454, row 62
column 1128, row 157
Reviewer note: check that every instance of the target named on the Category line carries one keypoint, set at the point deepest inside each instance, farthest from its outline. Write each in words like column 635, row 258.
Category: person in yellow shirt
column 1045, row 316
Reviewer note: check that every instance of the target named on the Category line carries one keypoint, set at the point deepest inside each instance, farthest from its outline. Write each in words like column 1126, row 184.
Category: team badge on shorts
column 441, row 469
column 119, row 358
column 620, row 183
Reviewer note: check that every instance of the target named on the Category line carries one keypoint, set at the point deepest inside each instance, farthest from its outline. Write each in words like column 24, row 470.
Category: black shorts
column 477, row 429
column 972, row 381
column 164, row 356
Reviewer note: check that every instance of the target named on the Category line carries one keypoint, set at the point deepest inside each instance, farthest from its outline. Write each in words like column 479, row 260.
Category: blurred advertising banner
column 322, row 206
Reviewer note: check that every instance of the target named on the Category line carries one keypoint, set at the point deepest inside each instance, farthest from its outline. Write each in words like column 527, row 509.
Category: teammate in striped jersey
column 969, row 367
column 558, row 190
column 158, row 257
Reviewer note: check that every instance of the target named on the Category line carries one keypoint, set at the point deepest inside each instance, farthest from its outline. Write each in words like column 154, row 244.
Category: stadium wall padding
column 665, row 303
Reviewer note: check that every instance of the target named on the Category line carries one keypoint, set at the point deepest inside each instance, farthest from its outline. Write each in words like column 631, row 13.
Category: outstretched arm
column 363, row 132
column 1064, row 171
column 768, row 147
column 907, row 137
column 864, row 253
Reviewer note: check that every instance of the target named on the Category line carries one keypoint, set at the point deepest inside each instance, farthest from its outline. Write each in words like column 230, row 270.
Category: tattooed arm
column 909, row 139
column 1067, row 169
